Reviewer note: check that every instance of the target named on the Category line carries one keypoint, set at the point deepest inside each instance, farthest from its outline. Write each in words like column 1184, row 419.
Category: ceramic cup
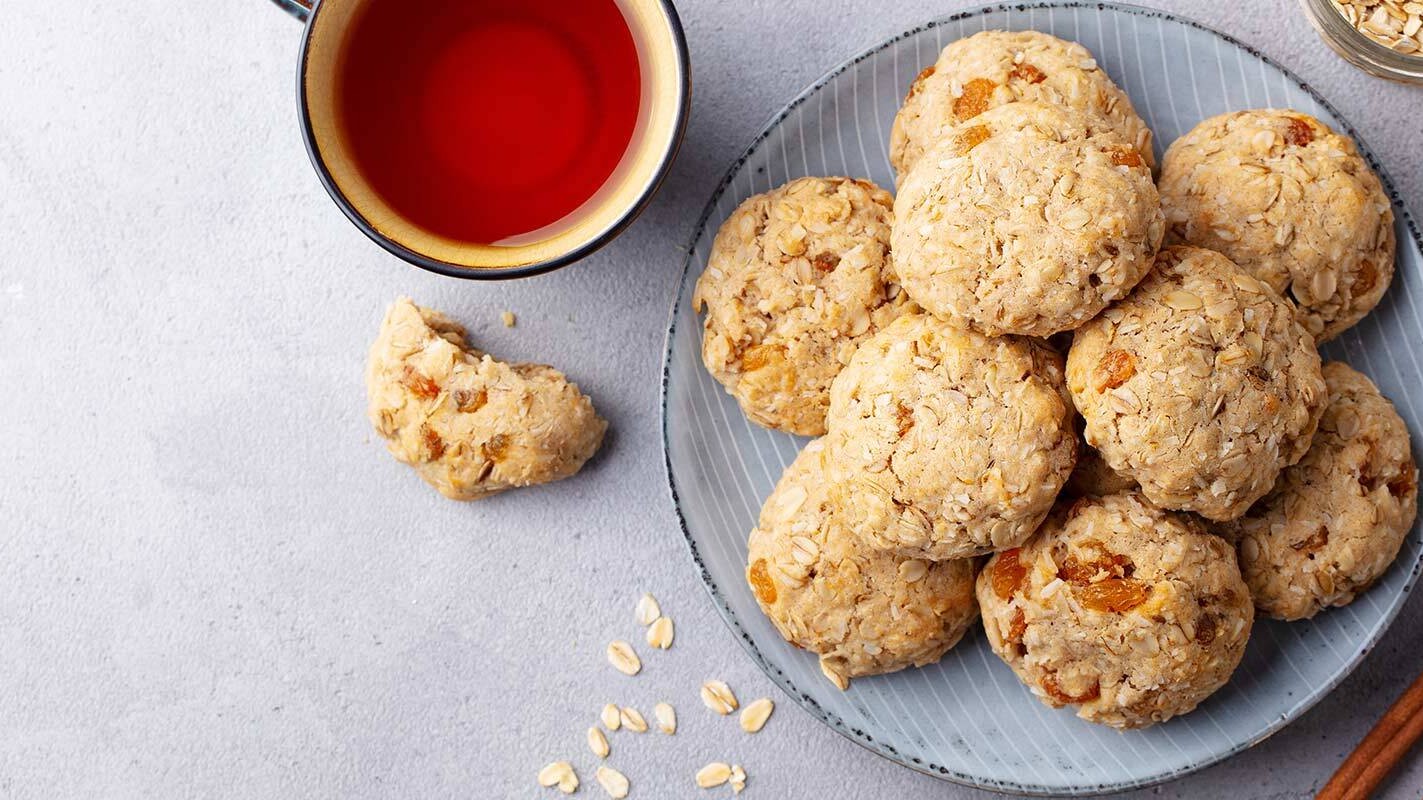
column 666, row 89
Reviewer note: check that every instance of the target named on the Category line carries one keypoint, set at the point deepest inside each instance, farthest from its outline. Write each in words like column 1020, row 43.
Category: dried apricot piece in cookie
column 1131, row 613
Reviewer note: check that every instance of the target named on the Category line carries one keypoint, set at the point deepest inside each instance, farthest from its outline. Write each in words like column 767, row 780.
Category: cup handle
column 301, row 9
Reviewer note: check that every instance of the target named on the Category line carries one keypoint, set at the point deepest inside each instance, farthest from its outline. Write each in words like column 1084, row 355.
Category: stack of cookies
column 1036, row 352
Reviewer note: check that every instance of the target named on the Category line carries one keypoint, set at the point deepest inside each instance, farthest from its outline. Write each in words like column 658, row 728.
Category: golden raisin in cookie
column 1131, row 613
column 1292, row 203
column 1200, row 385
column 992, row 68
column 944, row 443
column 1026, row 219
column 1336, row 520
column 469, row 425
column 797, row 278
column 865, row 612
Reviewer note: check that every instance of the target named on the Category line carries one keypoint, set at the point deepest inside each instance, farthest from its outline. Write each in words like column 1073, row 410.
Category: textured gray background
column 215, row 584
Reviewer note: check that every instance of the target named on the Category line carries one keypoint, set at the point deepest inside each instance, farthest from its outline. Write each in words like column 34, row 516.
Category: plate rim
column 807, row 703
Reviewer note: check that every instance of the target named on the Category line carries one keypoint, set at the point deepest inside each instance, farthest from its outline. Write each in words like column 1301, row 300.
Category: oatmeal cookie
column 1027, row 219
column 865, row 612
column 1094, row 477
column 1292, row 203
column 993, row 68
column 1201, row 385
column 797, row 278
column 469, row 425
column 1334, row 521
column 946, row 444
column 1131, row 613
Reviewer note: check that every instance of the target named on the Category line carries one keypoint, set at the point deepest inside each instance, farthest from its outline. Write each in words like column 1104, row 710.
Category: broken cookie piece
column 472, row 426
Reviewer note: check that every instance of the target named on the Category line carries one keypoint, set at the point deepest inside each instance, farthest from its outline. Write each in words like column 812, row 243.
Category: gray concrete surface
column 215, row 584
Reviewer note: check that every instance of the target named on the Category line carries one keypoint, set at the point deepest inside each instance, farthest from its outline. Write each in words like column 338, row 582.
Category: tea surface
column 481, row 120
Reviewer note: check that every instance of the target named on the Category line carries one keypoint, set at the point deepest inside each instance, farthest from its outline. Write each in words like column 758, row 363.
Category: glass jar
column 1358, row 48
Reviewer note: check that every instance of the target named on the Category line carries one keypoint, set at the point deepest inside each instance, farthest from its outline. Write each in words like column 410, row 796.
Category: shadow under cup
column 656, row 133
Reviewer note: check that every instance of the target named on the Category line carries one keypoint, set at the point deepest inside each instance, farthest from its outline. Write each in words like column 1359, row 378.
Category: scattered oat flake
column 632, row 720
column 737, row 779
column 755, row 714
column 597, row 742
column 666, row 718
column 659, row 635
column 560, row 774
column 509, row 319
column 612, row 720
column 549, row 775
column 718, row 697
column 624, row 658
column 841, row 682
column 613, row 782
column 713, row 775
column 647, row 609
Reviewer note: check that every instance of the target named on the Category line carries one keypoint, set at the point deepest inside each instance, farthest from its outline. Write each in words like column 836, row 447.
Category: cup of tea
column 491, row 138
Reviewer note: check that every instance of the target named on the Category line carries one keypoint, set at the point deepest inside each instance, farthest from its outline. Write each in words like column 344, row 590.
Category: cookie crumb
column 509, row 319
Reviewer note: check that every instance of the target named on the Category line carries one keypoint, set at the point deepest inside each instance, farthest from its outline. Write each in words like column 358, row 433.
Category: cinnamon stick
column 1381, row 749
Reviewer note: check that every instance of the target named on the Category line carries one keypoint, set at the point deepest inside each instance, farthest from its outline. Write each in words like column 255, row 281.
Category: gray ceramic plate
column 967, row 719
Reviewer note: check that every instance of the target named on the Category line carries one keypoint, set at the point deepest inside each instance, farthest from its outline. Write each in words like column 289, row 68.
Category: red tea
column 482, row 120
